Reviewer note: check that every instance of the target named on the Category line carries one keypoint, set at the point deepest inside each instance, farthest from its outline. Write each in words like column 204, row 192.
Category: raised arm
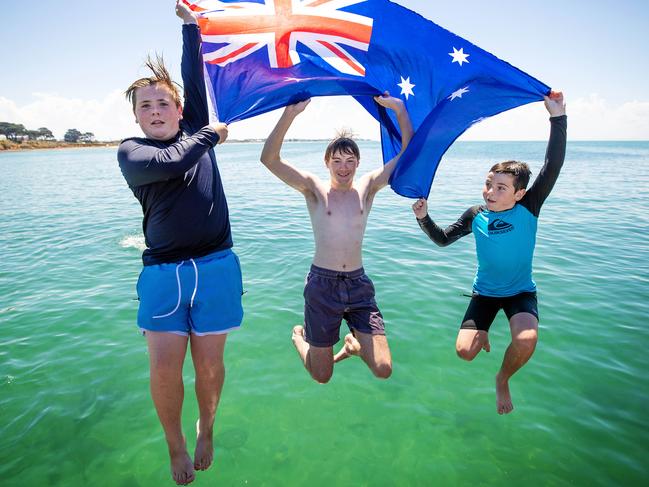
column 554, row 156
column 451, row 233
column 195, row 111
column 303, row 181
column 380, row 177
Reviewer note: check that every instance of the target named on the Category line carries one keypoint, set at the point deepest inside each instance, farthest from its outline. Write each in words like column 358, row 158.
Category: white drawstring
column 191, row 304
column 179, row 293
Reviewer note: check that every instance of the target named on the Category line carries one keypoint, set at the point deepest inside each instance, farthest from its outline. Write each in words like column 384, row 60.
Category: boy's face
column 499, row 193
column 156, row 112
column 342, row 167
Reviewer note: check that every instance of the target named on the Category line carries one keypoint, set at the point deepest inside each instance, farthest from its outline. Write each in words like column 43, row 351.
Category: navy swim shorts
column 330, row 296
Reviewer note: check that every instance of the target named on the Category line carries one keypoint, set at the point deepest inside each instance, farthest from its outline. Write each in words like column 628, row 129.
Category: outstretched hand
column 387, row 101
column 296, row 108
column 420, row 207
column 555, row 104
column 185, row 13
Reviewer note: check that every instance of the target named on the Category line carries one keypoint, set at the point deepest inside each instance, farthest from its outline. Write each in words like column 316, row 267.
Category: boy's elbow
column 265, row 159
column 440, row 242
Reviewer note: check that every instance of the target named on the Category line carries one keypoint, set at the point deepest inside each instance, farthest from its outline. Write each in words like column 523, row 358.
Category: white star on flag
column 458, row 93
column 459, row 56
column 406, row 87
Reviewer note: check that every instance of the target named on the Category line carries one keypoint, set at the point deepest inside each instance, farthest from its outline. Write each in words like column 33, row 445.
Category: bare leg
column 375, row 352
column 318, row 361
column 166, row 357
column 524, row 329
column 207, row 355
column 350, row 347
column 470, row 341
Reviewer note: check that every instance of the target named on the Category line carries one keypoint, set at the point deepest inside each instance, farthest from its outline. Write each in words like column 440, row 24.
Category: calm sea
column 74, row 402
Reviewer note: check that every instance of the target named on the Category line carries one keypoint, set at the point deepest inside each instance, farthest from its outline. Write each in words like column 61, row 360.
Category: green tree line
column 17, row 131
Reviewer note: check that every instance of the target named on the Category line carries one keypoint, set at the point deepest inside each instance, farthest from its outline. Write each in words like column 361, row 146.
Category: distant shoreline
column 10, row 146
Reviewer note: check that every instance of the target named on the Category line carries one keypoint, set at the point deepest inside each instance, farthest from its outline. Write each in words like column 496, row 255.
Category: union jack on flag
column 278, row 25
column 260, row 55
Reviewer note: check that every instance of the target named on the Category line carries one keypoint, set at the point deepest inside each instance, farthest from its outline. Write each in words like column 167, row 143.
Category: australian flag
column 264, row 54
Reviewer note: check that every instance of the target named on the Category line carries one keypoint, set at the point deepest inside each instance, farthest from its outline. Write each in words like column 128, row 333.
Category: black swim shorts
column 483, row 309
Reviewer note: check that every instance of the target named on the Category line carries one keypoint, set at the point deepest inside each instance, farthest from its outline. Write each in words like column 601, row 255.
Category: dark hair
column 519, row 170
column 160, row 76
column 344, row 143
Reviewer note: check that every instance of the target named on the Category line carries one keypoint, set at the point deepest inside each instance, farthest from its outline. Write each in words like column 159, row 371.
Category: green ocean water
column 74, row 402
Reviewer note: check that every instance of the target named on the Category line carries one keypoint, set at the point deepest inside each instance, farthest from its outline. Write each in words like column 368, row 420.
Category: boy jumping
column 337, row 286
column 505, row 234
column 190, row 287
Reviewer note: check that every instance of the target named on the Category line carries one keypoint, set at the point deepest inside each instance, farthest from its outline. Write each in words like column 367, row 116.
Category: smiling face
column 156, row 112
column 342, row 168
column 499, row 193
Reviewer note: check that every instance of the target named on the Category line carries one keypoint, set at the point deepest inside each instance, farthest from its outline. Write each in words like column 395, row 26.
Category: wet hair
column 160, row 77
column 343, row 143
column 519, row 170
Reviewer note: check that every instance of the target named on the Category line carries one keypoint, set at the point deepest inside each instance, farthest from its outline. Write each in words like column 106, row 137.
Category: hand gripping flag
column 264, row 54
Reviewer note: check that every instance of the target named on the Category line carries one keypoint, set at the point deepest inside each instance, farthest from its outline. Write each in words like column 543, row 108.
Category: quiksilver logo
column 499, row 226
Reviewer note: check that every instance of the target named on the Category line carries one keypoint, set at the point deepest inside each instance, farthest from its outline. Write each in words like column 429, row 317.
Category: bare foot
column 351, row 347
column 204, row 452
column 503, row 398
column 182, row 468
column 485, row 346
column 298, row 340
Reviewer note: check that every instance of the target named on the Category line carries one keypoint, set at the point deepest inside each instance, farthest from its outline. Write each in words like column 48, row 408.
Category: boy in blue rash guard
column 505, row 234
column 190, row 287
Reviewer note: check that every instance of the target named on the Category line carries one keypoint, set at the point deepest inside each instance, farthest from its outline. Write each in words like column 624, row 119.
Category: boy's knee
column 209, row 369
column 383, row 370
column 466, row 353
column 526, row 342
column 321, row 376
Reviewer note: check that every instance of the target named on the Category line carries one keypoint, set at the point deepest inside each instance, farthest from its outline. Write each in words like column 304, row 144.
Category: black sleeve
column 145, row 161
column 453, row 232
column 554, row 157
column 195, row 113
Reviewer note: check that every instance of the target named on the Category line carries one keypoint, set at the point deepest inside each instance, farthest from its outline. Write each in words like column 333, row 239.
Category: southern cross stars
column 459, row 56
column 458, row 93
column 406, row 87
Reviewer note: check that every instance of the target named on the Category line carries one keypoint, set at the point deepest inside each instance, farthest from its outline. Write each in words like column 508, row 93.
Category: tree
column 45, row 133
column 12, row 130
column 72, row 135
column 87, row 137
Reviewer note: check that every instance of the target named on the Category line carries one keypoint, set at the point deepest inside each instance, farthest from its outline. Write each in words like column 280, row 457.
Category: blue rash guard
column 177, row 181
column 505, row 240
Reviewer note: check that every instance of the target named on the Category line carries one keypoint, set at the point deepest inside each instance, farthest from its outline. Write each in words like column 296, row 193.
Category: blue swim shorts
column 200, row 296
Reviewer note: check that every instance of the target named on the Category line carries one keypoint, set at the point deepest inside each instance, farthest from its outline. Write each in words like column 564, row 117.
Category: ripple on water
column 74, row 372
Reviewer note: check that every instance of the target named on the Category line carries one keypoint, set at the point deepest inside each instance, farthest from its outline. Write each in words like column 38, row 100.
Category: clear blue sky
column 85, row 50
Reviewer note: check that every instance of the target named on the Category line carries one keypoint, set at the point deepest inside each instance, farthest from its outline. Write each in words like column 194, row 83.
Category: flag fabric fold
column 265, row 54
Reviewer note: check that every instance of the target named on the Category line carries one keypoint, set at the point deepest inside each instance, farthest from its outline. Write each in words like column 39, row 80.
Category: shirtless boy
column 336, row 286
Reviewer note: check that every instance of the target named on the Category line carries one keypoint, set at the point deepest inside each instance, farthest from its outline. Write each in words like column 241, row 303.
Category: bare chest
column 345, row 210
